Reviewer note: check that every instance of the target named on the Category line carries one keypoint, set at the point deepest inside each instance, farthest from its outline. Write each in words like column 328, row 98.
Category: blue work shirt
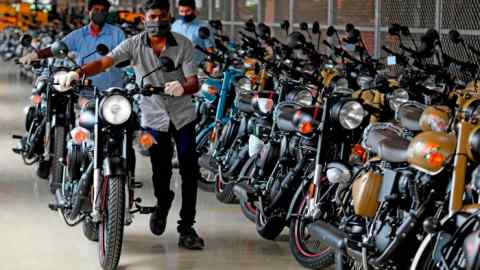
column 82, row 43
column 190, row 30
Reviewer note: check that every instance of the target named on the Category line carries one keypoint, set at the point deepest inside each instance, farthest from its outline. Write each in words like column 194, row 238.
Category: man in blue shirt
column 188, row 25
column 82, row 42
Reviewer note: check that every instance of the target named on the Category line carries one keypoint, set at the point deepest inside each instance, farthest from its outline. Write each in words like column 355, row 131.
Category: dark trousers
column 161, row 157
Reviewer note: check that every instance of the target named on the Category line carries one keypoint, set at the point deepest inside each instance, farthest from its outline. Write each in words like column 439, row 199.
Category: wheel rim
column 101, row 234
column 302, row 237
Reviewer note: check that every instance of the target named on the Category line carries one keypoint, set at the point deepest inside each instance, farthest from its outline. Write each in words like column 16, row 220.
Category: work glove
column 174, row 88
column 28, row 58
column 63, row 80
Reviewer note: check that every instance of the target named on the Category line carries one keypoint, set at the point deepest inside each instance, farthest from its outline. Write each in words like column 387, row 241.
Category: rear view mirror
column 166, row 64
column 394, row 30
column 296, row 40
column 454, row 36
column 216, row 24
column 59, row 49
column 102, row 49
column 204, row 32
column 405, row 30
column 331, row 31
column 250, row 26
column 304, row 26
column 285, row 25
column 316, row 28
column 349, row 28
column 26, row 40
column 263, row 31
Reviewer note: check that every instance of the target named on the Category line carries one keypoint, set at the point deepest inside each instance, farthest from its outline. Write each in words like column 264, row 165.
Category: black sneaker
column 189, row 239
column 158, row 219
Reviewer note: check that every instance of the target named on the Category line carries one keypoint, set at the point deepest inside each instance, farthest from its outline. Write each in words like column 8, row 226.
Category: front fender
column 114, row 166
column 297, row 198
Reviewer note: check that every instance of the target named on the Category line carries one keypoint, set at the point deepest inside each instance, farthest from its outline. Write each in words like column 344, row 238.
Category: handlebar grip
column 326, row 43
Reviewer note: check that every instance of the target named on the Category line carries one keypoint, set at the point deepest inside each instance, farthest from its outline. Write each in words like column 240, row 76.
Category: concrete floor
column 33, row 237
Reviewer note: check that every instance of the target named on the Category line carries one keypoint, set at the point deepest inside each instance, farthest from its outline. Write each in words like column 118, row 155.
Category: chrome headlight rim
column 115, row 109
column 304, row 97
column 350, row 114
column 398, row 97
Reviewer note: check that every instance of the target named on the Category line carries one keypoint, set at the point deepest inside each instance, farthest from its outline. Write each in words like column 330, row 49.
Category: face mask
column 349, row 47
column 158, row 28
column 188, row 18
column 99, row 18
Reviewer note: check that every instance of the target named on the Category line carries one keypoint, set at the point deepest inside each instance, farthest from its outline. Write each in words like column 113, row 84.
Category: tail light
column 79, row 135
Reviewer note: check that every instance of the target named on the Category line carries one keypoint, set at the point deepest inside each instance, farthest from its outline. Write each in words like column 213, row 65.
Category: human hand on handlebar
column 28, row 58
column 174, row 88
column 65, row 80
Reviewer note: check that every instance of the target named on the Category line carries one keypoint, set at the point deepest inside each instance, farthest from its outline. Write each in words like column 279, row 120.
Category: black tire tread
column 116, row 213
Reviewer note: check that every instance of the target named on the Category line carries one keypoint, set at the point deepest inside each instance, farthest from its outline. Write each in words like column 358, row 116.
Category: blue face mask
column 188, row 18
column 349, row 47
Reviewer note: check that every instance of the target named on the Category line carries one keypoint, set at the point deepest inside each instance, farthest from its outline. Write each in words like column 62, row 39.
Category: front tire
column 269, row 227
column 111, row 227
column 224, row 192
column 90, row 230
column 56, row 169
column 314, row 257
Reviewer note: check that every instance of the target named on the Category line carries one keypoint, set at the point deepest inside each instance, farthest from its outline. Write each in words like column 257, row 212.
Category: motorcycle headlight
column 349, row 114
column 304, row 97
column 397, row 98
column 116, row 109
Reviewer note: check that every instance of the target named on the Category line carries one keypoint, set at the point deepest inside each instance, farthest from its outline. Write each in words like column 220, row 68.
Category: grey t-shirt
column 158, row 111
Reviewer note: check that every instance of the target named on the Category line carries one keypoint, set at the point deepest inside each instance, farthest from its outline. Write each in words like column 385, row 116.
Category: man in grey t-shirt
column 165, row 116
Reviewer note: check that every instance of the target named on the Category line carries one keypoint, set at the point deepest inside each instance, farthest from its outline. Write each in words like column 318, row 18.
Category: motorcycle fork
column 48, row 125
column 97, row 177
column 314, row 189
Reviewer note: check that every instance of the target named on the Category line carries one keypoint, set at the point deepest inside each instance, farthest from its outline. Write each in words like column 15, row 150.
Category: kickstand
column 144, row 210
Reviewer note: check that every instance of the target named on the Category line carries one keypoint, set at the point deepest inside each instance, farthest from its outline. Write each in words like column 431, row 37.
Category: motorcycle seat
column 409, row 116
column 393, row 149
column 389, row 145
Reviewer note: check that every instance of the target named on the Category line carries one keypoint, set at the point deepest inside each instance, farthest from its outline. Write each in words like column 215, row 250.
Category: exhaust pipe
column 332, row 237
column 328, row 234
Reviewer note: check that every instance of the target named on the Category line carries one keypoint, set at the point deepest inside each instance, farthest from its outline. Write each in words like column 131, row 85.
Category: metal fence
column 371, row 17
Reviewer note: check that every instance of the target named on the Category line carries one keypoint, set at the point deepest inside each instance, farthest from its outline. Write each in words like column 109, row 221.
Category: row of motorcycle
column 80, row 140
column 368, row 170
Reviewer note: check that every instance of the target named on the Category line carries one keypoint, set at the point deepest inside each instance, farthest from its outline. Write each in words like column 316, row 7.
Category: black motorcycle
column 98, row 187
column 50, row 117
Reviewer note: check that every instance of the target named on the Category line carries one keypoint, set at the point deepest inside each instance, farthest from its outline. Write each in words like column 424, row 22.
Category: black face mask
column 188, row 18
column 158, row 28
column 99, row 18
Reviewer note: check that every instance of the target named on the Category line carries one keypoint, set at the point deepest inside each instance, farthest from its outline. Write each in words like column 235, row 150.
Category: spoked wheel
column 111, row 228
column 308, row 252
column 224, row 192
